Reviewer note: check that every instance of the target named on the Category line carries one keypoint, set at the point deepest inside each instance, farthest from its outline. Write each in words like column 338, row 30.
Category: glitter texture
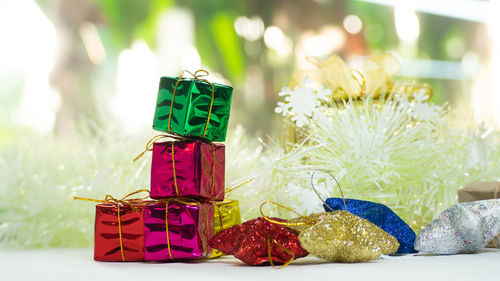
column 464, row 228
column 380, row 215
column 343, row 237
column 248, row 242
column 303, row 223
column 226, row 214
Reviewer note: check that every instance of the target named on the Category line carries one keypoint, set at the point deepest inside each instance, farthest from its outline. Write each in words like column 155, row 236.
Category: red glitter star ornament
column 257, row 240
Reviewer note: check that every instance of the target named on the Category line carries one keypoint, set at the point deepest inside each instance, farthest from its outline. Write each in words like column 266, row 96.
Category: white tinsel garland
column 39, row 175
column 398, row 152
column 402, row 153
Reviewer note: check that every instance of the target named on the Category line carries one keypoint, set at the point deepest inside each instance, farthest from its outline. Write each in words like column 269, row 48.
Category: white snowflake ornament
column 302, row 102
column 420, row 96
column 424, row 111
column 421, row 109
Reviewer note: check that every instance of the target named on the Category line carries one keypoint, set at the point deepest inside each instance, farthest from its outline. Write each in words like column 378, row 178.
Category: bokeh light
column 353, row 24
column 92, row 43
column 137, row 81
column 407, row 23
column 455, row 48
column 262, row 43
column 249, row 28
column 470, row 64
column 330, row 39
column 275, row 39
column 190, row 58
column 28, row 38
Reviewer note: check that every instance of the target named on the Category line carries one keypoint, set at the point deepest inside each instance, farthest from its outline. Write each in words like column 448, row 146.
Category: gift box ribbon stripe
column 212, row 185
column 199, row 73
column 186, row 201
column 149, row 147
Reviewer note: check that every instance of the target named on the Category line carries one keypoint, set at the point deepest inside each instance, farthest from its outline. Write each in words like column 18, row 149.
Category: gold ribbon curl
column 218, row 204
column 230, row 189
column 149, row 144
column 310, row 222
column 108, row 199
column 283, row 248
column 196, row 76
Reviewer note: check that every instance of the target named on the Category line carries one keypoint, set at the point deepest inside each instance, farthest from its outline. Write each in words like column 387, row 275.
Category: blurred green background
column 79, row 78
column 98, row 62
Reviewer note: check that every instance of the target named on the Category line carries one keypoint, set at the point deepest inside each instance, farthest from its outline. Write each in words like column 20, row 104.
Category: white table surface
column 78, row 264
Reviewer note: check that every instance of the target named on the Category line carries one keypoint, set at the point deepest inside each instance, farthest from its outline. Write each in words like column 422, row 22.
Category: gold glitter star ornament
column 343, row 237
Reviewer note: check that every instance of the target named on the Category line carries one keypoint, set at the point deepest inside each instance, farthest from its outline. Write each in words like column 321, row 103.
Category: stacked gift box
column 186, row 205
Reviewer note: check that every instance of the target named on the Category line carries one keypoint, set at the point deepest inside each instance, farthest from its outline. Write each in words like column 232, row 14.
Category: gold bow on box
column 133, row 203
column 375, row 78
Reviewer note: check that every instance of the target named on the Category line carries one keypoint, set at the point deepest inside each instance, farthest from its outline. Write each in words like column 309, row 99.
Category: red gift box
column 119, row 232
column 119, row 228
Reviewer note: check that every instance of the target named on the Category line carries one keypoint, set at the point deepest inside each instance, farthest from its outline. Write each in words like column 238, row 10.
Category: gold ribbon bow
column 149, row 147
column 376, row 74
column 196, row 76
column 108, row 199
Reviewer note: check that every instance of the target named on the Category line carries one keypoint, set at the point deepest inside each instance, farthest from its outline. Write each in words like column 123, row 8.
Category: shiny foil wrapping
column 191, row 107
column 226, row 214
column 198, row 173
column 189, row 228
column 107, row 237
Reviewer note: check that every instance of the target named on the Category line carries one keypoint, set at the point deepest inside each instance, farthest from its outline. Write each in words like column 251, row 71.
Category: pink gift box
column 199, row 170
column 189, row 228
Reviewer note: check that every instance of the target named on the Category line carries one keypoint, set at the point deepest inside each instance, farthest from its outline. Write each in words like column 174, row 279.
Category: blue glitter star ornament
column 380, row 215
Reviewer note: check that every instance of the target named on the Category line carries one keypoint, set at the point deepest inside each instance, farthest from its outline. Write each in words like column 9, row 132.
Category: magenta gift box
column 189, row 228
column 199, row 170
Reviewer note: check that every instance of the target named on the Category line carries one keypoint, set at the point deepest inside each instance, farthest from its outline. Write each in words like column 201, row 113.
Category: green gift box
column 199, row 108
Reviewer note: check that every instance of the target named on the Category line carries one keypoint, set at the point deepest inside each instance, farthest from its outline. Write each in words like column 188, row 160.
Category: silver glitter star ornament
column 464, row 228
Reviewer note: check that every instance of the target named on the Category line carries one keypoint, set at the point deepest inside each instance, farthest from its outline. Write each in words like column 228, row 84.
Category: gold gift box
column 226, row 214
